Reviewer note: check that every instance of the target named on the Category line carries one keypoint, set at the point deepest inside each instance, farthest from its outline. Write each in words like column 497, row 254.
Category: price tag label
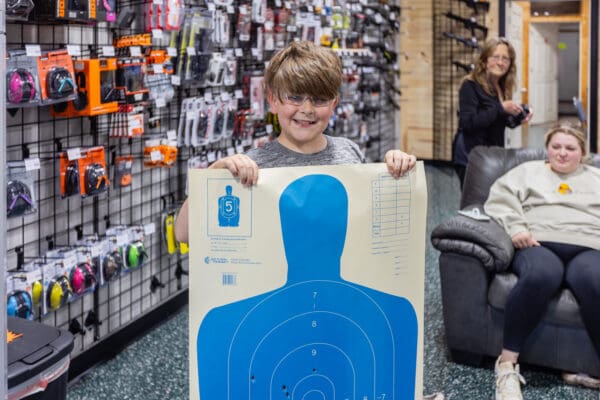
column 208, row 97
column 211, row 156
column 149, row 229
column 74, row 50
column 157, row 68
column 160, row 102
column 155, row 155
column 191, row 51
column 175, row 80
column 230, row 10
column 230, row 151
column 255, row 52
column 229, row 53
column 171, row 51
column 157, row 34
column 239, row 149
column 269, row 128
column 108, row 51
column 239, row 94
column 32, row 164
column 239, row 52
column 122, row 239
column 135, row 51
column 74, row 154
column 33, row 50
column 172, row 134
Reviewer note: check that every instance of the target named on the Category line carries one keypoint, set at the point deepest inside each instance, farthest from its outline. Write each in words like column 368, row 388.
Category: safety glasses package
column 20, row 193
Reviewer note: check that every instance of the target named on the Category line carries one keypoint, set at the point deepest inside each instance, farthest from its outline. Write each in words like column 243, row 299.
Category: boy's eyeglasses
column 297, row 100
column 500, row 58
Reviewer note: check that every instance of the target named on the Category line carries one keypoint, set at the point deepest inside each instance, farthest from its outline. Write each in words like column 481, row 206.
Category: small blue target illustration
column 318, row 337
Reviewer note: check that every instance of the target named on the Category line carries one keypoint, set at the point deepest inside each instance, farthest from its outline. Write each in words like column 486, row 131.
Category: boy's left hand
column 398, row 162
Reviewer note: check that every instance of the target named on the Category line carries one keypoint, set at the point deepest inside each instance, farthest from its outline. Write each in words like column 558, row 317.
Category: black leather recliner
column 476, row 279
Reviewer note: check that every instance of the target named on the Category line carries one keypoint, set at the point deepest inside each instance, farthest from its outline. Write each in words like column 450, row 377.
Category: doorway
column 551, row 39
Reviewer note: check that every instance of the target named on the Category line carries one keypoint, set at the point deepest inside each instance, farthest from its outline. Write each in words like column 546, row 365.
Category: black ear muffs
column 96, row 180
column 59, row 83
column 19, row 304
column 82, row 277
column 72, row 179
column 59, row 291
column 136, row 254
column 81, row 102
column 18, row 199
column 112, row 265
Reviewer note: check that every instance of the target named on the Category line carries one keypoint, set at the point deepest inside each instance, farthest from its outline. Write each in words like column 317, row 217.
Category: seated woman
column 551, row 210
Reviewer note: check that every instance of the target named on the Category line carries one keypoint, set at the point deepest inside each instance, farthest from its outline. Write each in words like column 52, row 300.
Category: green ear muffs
column 136, row 254
column 58, row 292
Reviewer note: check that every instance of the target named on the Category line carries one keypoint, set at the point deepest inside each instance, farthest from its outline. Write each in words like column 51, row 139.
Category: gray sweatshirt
column 554, row 207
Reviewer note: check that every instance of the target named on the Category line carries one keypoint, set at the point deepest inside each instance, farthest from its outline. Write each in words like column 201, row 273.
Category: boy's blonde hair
column 303, row 68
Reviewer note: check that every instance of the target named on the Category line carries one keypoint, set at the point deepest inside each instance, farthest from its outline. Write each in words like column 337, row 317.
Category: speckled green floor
column 155, row 367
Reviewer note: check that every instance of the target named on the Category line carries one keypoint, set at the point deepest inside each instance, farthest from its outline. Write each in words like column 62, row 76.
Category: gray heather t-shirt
column 339, row 151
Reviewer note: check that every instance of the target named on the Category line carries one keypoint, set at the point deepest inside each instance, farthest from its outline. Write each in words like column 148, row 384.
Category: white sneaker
column 508, row 381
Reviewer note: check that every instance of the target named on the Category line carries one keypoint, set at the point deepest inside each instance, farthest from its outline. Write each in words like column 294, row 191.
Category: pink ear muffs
column 20, row 86
column 82, row 278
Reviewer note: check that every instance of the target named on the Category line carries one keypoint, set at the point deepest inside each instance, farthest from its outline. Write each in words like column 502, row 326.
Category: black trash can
column 38, row 360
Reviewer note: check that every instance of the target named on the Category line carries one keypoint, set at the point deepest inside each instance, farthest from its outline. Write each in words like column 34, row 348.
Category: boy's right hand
column 241, row 166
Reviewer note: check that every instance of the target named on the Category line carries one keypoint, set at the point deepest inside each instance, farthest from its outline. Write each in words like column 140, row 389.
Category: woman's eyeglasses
column 297, row 100
column 500, row 58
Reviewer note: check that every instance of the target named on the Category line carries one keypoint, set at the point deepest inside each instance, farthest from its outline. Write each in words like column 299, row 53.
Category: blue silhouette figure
column 317, row 336
column 229, row 208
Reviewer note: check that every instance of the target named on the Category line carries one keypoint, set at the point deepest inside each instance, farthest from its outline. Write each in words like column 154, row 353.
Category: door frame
column 588, row 54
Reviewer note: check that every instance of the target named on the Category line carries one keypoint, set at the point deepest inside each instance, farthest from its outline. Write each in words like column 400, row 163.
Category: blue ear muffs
column 19, row 304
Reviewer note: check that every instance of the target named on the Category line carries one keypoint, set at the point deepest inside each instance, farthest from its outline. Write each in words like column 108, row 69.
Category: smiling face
column 498, row 63
column 302, row 126
column 564, row 153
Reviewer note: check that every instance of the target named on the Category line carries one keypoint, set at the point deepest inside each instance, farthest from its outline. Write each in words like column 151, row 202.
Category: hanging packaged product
column 128, row 122
column 96, row 94
column 57, row 77
column 20, row 189
column 160, row 153
column 19, row 298
column 106, row 10
column 83, row 171
column 130, row 80
column 22, row 80
column 18, row 10
column 71, row 10
column 123, row 165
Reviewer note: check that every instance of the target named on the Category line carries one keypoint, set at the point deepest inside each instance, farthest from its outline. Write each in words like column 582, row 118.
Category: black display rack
column 105, row 319
column 459, row 33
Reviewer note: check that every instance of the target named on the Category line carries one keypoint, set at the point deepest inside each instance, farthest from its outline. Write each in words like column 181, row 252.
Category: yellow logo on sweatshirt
column 564, row 188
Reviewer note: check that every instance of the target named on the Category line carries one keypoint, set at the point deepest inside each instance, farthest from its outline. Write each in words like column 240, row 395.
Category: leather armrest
column 484, row 240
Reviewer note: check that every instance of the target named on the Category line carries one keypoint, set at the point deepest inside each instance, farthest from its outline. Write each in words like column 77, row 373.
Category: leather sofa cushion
column 563, row 309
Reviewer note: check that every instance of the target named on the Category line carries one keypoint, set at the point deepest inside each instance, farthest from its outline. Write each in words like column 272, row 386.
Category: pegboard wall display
column 459, row 33
column 109, row 103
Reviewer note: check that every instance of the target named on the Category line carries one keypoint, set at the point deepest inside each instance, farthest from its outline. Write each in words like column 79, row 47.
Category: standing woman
column 485, row 102
column 551, row 210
